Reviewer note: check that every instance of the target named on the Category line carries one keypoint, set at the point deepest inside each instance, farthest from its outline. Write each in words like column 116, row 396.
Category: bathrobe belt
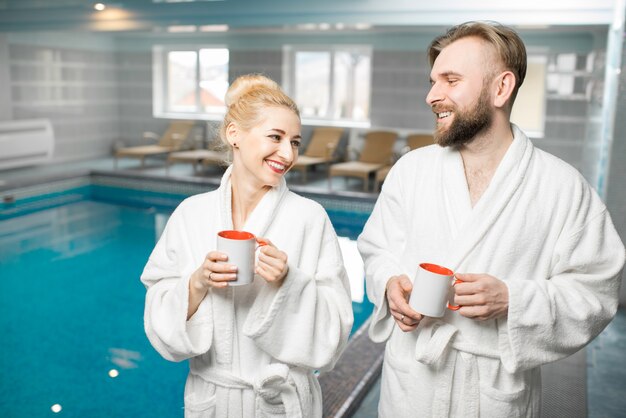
column 437, row 346
column 275, row 382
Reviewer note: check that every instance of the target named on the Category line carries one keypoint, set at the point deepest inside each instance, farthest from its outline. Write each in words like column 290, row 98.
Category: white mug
column 240, row 247
column 431, row 290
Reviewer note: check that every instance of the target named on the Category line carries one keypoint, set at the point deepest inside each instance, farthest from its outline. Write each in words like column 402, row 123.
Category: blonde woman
column 252, row 349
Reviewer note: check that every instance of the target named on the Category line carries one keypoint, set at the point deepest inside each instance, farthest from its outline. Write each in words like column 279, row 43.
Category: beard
column 466, row 124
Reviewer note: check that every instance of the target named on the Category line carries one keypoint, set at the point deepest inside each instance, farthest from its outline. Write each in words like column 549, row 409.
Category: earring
column 234, row 145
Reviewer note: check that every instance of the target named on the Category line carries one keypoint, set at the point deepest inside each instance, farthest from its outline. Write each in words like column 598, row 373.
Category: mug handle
column 455, row 307
column 260, row 243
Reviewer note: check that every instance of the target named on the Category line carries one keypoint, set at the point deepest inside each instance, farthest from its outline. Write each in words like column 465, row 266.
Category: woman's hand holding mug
column 272, row 263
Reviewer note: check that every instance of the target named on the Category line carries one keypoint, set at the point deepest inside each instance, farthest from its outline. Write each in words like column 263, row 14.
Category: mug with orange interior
column 431, row 290
column 240, row 247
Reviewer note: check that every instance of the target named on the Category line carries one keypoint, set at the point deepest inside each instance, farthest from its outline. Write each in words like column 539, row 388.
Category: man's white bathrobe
column 252, row 349
column 540, row 228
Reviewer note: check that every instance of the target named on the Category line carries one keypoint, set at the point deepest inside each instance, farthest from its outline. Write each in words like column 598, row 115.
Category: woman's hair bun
column 246, row 84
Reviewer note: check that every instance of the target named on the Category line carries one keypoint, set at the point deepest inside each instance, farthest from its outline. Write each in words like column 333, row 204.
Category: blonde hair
column 246, row 99
column 507, row 44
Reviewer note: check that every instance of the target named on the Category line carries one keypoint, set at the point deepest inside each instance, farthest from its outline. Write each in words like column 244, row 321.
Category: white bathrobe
column 253, row 349
column 540, row 228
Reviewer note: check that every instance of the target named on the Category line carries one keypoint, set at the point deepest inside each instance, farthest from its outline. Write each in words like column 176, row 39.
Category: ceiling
column 295, row 15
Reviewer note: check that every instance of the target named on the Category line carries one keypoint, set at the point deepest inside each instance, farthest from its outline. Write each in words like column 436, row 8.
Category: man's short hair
column 506, row 43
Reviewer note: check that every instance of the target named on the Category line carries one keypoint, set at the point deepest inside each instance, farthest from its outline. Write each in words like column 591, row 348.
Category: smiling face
column 268, row 150
column 460, row 95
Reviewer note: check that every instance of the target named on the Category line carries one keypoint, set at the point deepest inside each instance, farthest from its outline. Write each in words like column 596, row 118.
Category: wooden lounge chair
column 170, row 141
column 413, row 141
column 209, row 156
column 320, row 150
column 377, row 153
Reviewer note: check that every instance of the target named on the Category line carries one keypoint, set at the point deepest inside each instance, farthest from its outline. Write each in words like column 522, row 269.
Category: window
column 190, row 82
column 331, row 85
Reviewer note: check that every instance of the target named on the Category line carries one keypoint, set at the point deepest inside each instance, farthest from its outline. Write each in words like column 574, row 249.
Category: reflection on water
column 126, row 359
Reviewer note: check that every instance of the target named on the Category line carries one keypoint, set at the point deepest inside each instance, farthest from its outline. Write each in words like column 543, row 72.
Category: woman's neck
column 245, row 195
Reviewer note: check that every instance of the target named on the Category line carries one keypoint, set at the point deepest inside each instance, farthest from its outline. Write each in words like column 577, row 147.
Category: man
column 532, row 242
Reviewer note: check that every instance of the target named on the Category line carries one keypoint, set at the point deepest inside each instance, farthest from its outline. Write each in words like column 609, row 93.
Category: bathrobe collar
column 259, row 220
column 468, row 225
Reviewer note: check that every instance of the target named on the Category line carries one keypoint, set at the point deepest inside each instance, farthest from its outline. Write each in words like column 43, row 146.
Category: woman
column 252, row 349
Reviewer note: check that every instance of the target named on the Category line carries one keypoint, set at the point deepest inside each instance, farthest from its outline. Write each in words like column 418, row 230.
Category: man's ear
column 504, row 88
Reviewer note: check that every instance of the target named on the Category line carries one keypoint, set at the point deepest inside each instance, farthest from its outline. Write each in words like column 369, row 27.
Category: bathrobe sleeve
column 307, row 320
column 381, row 244
column 167, row 297
column 552, row 317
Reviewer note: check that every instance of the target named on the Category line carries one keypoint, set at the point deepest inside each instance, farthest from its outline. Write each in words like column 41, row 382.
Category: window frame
column 160, row 82
column 289, row 77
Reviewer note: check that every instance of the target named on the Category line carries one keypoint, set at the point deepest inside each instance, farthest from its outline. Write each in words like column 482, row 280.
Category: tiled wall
column 97, row 99
column 6, row 111
column 134, row 71
column 76, row 89
column 399, row 88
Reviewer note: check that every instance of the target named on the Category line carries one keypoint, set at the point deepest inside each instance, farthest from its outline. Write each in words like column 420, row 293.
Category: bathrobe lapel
column 454, row 193
column 257, row 223
column 468, row 225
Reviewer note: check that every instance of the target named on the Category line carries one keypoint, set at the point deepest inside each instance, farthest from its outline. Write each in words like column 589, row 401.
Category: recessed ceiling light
column 99, row 6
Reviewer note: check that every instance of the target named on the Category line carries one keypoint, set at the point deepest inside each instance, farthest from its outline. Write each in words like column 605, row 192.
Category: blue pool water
column 71, row 311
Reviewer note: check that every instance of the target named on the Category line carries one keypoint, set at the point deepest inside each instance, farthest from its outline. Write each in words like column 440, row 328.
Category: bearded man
column 533, row 244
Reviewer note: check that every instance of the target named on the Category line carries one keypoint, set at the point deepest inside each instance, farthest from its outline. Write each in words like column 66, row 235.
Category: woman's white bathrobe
column 252, row 349
column 540, row 228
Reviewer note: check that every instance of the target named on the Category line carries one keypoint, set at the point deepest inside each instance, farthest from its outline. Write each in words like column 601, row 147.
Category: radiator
column 25, row 142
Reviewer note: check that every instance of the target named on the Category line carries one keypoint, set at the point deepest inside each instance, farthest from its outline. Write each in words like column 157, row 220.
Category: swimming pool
column 71, row 304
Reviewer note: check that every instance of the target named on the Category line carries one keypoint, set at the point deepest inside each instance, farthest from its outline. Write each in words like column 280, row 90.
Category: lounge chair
column 377, row 153
column 170, row 141
column 413, row 141
column 320, row 150
column 209, row 156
